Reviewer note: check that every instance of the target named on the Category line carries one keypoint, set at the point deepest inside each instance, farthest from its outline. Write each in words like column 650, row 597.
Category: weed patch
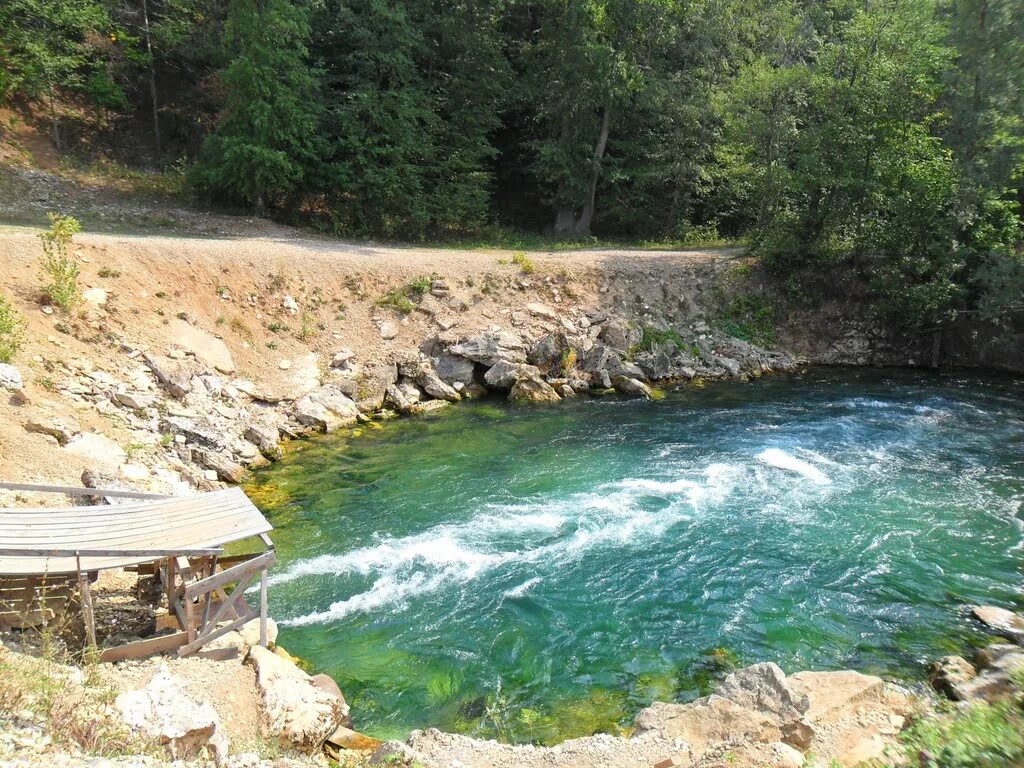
column 60, row 269
column 11, row 327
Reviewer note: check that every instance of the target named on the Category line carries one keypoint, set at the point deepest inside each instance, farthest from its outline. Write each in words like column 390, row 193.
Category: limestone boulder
column 297, row 712
column 250, row 632
column 996, row 681
column 708, row 723
column 452, row 369
column 341, row 406
column 163, row 713
column 266, row 437
column 948, row 672
column 619, row 335
column 432, row 384
column 10, row 378
column 599, row 358
column 402, row 396
column 372, row 385
column 227, row 469
column 96, row 447
column 62, row 430
column 533, row 390
column 205, row 346
column 175, row 376
column 631, row 387
column 549, row 350
column 491, row 348
column 505, row 375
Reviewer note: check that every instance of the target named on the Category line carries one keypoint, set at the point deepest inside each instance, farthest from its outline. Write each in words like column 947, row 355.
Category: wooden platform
column 148, row 529
column 49, row 556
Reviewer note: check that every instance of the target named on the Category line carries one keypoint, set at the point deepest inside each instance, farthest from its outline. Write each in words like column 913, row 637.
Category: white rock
column 205, row 346
column 290, row 305
column 250, row 632
column 284, row 365
column 96, row 447
column 163, row 712
column 135, row 472
column 95, row 296
column 295, row 710
column 10, row 378
column 388, row 330
column 541, row 310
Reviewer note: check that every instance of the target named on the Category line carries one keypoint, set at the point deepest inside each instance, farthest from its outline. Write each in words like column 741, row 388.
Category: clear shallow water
column 542, row 573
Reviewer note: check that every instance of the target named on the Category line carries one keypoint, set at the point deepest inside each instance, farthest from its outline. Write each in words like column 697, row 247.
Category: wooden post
column 263, row 607
column 209, row 595
column 88, row 617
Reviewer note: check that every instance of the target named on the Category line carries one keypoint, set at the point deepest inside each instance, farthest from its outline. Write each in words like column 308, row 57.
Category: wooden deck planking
column 206, row 521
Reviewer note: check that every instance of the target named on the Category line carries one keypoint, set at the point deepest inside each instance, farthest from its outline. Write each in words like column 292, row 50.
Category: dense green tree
column 412, row 91
column 267, row 143
column 47, row 47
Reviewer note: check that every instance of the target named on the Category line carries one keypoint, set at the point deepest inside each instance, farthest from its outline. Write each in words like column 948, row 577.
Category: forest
column 883, row 138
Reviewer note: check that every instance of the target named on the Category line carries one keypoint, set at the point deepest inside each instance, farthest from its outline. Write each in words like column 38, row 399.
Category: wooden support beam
column 140, row 648
column 88, row 617
column 181, row 554
column 74, row 490
column 199, row 642
column 263, row 607
column 229, row 575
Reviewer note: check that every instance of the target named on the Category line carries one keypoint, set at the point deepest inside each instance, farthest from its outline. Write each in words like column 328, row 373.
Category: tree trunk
column 152, row 78
column 587, row 215
column 565, row 220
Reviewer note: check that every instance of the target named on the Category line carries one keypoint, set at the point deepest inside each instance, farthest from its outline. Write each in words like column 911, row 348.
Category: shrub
column 655, row 337
column 750, row 318
column 525, row 263
column 61, row 270
column 10, row 331
column 402, row 299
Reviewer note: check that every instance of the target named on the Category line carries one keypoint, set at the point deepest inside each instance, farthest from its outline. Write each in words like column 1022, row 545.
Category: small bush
column 10, row 331
column 525, row 263
column 61, row 270
column 403, row 299
column 276, row 327
column 656, row 337
column 108, row 272
column 308, row 329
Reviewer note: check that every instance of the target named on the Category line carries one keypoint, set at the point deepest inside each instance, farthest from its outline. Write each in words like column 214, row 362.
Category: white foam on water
column 457, row 553
column 523, row 588
column 776, row 457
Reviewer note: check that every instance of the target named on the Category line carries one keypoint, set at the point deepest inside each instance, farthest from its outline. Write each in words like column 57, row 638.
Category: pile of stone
column 757, row 717
column 991, row 676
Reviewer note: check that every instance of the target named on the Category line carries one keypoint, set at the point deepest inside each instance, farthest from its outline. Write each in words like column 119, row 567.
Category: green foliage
column 652, row 338
column 266, row 145
column 404, row 299
column 749, row 317
column 981, row 736
column 59, row 268
column 11, row 327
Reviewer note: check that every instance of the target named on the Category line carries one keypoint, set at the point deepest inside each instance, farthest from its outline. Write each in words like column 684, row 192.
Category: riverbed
column 538, row 573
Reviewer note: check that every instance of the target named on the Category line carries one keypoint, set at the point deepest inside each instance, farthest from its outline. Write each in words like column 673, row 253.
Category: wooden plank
column 153, row 553
column 229, row 575
column 74, row 490
column 26, row 619
column 140, row 648
column 232, row 600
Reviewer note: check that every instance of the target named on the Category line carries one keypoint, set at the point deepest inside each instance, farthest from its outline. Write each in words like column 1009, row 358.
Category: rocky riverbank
column 185, row 371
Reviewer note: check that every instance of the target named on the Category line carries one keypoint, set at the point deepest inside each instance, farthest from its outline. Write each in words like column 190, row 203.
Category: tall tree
column 266, row 145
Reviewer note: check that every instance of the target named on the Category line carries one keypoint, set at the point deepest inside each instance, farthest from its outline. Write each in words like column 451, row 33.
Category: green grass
column 508, row 239
column 981, row 736
column 404, row 298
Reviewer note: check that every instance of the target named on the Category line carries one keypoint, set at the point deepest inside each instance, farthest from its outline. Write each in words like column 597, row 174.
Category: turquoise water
column 541, row 573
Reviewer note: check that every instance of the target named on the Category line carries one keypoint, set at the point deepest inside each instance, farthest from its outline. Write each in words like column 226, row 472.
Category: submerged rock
column 625, row 385
column 533, row 390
